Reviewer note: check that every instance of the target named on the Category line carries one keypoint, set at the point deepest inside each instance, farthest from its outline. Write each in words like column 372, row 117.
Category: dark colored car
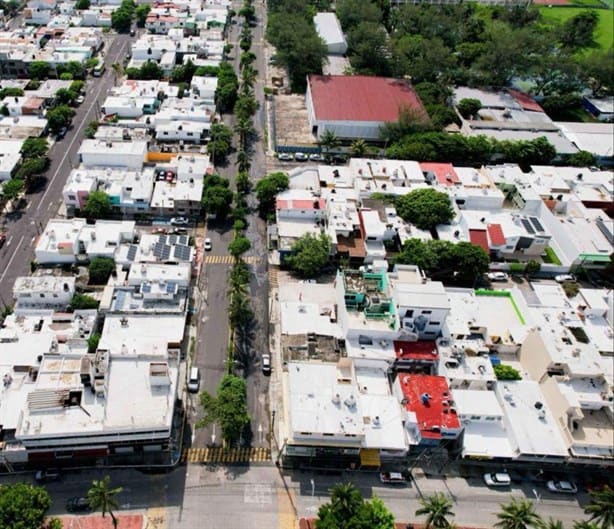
column 45, row 476
column 78, row 504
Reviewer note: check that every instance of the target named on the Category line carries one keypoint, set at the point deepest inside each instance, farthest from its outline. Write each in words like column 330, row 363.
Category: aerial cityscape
column 306, row 264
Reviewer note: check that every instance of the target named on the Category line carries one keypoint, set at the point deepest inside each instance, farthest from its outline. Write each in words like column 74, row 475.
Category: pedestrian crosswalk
column 229, row 259
column 229, row 456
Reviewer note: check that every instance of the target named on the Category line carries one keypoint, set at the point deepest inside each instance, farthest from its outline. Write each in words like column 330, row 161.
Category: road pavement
column 25, row 225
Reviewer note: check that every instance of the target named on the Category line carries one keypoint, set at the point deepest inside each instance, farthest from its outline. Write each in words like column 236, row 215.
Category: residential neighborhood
column 294, row 264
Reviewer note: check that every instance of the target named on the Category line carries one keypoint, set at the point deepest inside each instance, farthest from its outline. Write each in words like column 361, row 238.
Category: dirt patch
column 291, row 123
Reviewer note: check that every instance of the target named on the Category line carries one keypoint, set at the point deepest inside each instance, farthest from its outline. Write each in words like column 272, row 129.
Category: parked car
column 208, row 245
column 2, row 239
column 266, row 363
column 565, row 487
column 315, row 157
column 180, row 221
column 564, row 278
column 300, row 157
column 393, row 478
column 194, row 380
column 61, row 133
column 179, row 231
column 79, row 100
column 497, row 276
column 45, row 476
column 285, row 157
column 497, row 479
column 78, row 504
column 159, row 231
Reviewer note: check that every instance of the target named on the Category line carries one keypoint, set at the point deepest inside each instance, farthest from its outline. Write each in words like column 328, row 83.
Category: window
column 409, row 313
column 429, row 333
column 42, row 295
column 165, row 133
column 190, row 134
column 426, row 312
column 476, row 417
column 434, row 323
column 72, row 197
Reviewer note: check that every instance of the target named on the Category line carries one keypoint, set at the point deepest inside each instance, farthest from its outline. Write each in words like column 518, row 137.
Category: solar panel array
column 132, row 252
column 145, row 288
column 537, row 224
column 119, row 299
column 527, row 226
column 182, row 252
column 171, row 287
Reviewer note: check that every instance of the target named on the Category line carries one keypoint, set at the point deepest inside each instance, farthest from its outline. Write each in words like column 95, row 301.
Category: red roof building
column 443, row 172
column 429, row 397
column 416, row 355
column 355, row 106
column 479, row 238
column 495, row 234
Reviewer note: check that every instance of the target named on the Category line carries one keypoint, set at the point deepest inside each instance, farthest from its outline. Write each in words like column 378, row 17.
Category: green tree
column 581, row 524
column 425, row 208
column 601, row 507
column 59, row 117
column 23, row 506
column 243, row 183
column 92, row 342
column 246, row 106
column 505, row 372
column 328, row 141
column 243, row 161
column 82, row 4
column 227, row 87
column 97, row 205
column 437, row 508
column 64, row 96
column 228, row 408
column 150, row 70
column 367, row 49
column 83, row 302
column 309, row 254
column 469, row 107
column 238, row 246
column 239, row 310
column 518, row 514
column 217, row 199
column 75, row 68
column 409, row 122
column 121, row 20
column 377, row 516
column 39, row 70
column 141, row 13
column 582, row 159
column 471, row 261
column 359, row 148
column 220, row 143
column 532, row 267
column 267, row 190
column 11, row 91
column 34, row 147
column 100, row 269
column 551, row 523
column 577, row 32
column 102, row 496
column 597, row 71
column 351, row 13
column 12, row 189
column 31, row 167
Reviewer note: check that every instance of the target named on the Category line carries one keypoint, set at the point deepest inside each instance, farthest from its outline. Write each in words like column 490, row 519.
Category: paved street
column 258, row 497
column 24, row 225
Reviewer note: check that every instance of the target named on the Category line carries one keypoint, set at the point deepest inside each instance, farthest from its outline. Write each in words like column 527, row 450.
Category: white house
column 95, row 153
column 10, row 156
column 59, row 242
column 329, row 30
column 43, row 292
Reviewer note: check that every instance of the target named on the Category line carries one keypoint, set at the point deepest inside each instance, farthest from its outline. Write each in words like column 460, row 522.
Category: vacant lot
column 291, row 122
column 603, row 34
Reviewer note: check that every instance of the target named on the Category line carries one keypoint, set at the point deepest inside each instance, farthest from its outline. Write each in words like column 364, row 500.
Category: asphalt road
column 25, row 225
column 213, row 332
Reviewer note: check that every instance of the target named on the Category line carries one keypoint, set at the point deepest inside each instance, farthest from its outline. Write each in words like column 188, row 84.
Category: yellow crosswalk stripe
column 229, row 259
column 220, row 455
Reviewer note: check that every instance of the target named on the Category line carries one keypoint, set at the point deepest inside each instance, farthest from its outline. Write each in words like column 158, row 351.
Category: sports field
column 603, row 34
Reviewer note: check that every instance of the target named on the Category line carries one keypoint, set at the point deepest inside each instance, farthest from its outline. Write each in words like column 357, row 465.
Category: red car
column 2, row 239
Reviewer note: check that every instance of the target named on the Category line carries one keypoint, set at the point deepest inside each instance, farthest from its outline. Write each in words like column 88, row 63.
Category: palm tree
column 345, row 500
column 244, row 128
column 359, row 148
column 518, row 514
column 581, row 524
column 243, row 163
column 102, row 496
column 601, row 507
column 248, row 79
column 437, row 509
column 118, row 71
column 329, row 141
column 551, row 523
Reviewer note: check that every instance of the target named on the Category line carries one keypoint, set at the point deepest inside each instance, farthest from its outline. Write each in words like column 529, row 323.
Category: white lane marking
column 8, row 265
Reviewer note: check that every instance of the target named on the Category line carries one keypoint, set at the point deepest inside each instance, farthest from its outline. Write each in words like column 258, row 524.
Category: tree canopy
column 228, row 408
column 267, row 190
column 518, row 514
column 348, row 510
column 425, row 208
column 309, row 254
column 83, row 302
column 601, row 507
column 97, row 205
column 217, row 196
column 23, row 506
column 444, row 259
column 101, row 496
column 100, row 269
column 34, row 147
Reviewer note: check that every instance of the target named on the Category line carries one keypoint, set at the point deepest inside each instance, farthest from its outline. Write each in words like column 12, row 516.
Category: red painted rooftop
column 525, row 101
column 437, row 413
column 421, row 350
column 479, row 238
column 495, row 233
column 361, row 98
column 444, row 172
column 300, row 204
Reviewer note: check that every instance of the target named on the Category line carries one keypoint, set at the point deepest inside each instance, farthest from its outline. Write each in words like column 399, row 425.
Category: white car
column 266, row 363
column 285, row 157
column 563, row 278
column 566, row 487
column 80, row 100
column 497, row 276
column 497, row 479
column 392, row 477
column 300, row 157
column 208, row 245
column 180, row 221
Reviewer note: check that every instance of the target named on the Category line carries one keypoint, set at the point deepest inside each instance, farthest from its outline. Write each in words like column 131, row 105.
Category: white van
column 194, row 380
column 98, row 69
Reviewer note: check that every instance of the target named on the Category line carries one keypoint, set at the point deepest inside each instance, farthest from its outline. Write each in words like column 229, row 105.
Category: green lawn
column 603, row 34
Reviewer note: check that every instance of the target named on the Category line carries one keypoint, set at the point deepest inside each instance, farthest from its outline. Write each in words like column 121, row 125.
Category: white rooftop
column 308, row 307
